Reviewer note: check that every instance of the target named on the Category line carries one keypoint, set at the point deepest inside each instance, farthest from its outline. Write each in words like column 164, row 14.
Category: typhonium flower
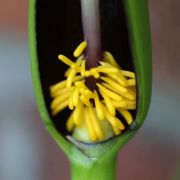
column 111, row 67
column 94, row 116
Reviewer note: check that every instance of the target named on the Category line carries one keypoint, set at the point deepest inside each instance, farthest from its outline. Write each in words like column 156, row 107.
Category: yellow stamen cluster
column 115, row 93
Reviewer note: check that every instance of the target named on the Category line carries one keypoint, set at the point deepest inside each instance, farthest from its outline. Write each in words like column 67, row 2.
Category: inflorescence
column 115, row 92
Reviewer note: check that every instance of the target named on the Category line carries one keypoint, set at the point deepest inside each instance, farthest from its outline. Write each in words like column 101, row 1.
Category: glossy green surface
column 96, row 160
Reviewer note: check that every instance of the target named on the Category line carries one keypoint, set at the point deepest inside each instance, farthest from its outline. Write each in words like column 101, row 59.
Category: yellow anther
column 115, row 85
column 70, row 78
column 75, row 65
column 110, row 59
column 131, row 82
column 61, row 91
column 109, row 104
column 130, row 107
column 120, row 125
column 127, row 115
column 71, row 105
column 119, row 104
column 96, row 124
column 78, row 51
column 109, row 117
column 110, row 87
column 78, row 112
column 117, row 131
column 94, row 73
column 83, row 68
column 54, row 89
column 107, row 70
column 87, row 73
column 113, row 121
column 59, row 86
column 65, row 60
column 87, row 93
column 91, row 130
column 85, row 100
column 132, row 88
column 80, row 84
column 128, row 74
column 70, row 123
column 76, row 97
column 59, row 100
column 130, row 95
column 98, row 105
column 67, row 72
column 119, row 78
column 109, row 93
column 131, row 103
column 60, row 107
column 105, row 64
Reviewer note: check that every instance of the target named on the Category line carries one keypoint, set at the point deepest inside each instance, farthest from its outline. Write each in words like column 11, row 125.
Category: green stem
column 94, row 170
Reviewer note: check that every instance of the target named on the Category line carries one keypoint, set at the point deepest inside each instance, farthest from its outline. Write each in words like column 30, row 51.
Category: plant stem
column 97, row 170
column 92, row 34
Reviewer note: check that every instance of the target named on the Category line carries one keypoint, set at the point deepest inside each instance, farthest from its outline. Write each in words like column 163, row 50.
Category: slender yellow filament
column 70, row 123
column 109, row 104
column 107, row 69
column 71, row 77
column 61, row 91
column 115, row 85
column 98, row 105
column 94, row 72
column 91, row 130
column 65, row 60
column 109, row 93
column 60, row 107
column 83, row 68
column 76, row 97
column 71, row 104
column 131, row 82
column 59, row 86
column 78, row 51
column 110, row 59
column 97, row 128
column 85, row 100
column 113, row 121
column 59, row 100
column 78, row 114
column 128, row 74
column 75, row 65
column 127, row 115
column 119, row 78
column 121, row 104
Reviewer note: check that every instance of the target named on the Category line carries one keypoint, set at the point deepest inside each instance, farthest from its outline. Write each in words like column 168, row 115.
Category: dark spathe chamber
column 59, row 30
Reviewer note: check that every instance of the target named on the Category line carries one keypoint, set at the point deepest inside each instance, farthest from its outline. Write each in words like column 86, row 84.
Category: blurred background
column 27, row 151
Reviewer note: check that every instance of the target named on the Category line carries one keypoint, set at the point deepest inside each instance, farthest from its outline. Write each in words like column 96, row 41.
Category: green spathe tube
column 89, row 161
